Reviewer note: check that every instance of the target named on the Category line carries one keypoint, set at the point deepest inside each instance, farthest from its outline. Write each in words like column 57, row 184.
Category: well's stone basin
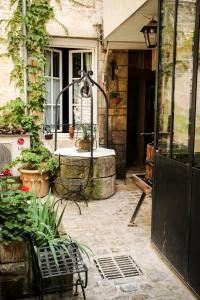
column 75, row 165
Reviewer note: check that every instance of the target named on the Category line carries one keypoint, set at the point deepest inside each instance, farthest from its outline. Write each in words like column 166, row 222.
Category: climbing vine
column 38, row 12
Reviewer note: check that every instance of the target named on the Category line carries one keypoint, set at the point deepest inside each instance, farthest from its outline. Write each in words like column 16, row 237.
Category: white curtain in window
column 88, row 59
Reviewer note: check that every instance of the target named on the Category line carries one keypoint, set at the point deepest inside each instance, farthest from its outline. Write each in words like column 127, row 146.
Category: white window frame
column 52, row 105
column 71, row 78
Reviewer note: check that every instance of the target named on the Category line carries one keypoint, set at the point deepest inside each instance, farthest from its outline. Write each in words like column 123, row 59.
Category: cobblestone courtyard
column 103, row 227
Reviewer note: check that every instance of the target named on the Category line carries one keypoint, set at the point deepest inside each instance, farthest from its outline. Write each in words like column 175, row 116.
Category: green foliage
column 15, row 215
column 11, row 112
column 14, row 113
column 114, row 94
column 9, row 183
column 15, row 41
column 38, row 158
column 85, row 130
column 46, row 221
column 38, row 13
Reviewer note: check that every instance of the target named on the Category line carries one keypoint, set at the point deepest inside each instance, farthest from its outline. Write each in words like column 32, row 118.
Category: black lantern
column 150, row 33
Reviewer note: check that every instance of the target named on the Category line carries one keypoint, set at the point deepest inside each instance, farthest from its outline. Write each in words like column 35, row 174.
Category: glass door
column 172, row 161
column 53, row 76
column 79, row 107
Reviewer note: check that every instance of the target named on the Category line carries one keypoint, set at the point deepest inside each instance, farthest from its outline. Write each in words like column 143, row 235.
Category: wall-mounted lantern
column 150, row 33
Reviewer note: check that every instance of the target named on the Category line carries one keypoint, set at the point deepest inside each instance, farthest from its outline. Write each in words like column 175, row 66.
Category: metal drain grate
column 117, row 267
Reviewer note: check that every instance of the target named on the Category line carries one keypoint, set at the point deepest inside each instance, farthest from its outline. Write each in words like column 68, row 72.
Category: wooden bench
column 146, row 189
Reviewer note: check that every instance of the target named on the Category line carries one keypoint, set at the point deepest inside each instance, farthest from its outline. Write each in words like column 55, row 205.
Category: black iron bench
column 50, row 276
column 146, row 188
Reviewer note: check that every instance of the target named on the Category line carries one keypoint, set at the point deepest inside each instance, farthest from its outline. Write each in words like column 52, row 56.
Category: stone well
column 75, row 165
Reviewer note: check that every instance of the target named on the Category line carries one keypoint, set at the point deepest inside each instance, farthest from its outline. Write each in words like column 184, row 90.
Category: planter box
column 13, row 270
column 15, row 252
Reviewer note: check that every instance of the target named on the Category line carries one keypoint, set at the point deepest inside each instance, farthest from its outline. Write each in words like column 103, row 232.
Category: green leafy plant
column 38, row 13
column 13, row 119
column 114, row 94
column 85, row 130
column 15, row 215
column 46, row 221
column 38, row 158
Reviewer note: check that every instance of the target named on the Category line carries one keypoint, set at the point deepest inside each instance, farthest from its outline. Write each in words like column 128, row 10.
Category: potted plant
column 47, row 235
column 13, row 118
column 48, row 135
column 71, row 131
column 84, row 141
column 114, row 97
column 36, row 167
column 47, row 219
column 15, row 218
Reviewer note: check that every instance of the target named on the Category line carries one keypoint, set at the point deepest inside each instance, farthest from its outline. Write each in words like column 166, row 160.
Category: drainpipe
column 25, row 55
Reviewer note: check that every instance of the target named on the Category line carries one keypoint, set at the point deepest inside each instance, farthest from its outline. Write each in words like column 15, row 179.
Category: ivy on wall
column 38, row 13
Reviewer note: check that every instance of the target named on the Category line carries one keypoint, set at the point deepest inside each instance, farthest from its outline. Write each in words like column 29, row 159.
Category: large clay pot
column 37, row 183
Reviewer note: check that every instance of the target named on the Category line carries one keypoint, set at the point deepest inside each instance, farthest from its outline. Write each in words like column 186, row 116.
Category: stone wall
column 78, row 19
column 117, row 113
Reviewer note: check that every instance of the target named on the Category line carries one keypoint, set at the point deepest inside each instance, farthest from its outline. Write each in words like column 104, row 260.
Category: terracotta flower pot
column 115, row 101
column 71, row 132
column 37, row 183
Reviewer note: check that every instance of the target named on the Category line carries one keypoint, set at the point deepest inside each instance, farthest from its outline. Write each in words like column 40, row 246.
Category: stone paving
column 103, row 227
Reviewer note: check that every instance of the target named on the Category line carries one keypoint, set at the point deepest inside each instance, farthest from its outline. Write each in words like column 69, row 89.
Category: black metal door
column 194, row 243
column 176, row 187
column 170, row 211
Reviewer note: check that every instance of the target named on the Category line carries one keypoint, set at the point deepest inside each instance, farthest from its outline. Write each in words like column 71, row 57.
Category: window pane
column 76, row 64
column 81, row 106
column 77, row 103
column 165, row 76
column 56, row 66
column 183, row 78
column 58, row 114
column 47, row 68
column 47, row 115
column 48, row 88
column 56, row 89
column 87, row 61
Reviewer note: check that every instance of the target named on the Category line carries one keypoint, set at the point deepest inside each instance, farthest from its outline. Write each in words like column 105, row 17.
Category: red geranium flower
column 7, row 172
column 25, row 188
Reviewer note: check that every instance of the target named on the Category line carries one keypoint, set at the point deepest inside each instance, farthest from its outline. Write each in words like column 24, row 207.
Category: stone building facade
column 84, row 35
